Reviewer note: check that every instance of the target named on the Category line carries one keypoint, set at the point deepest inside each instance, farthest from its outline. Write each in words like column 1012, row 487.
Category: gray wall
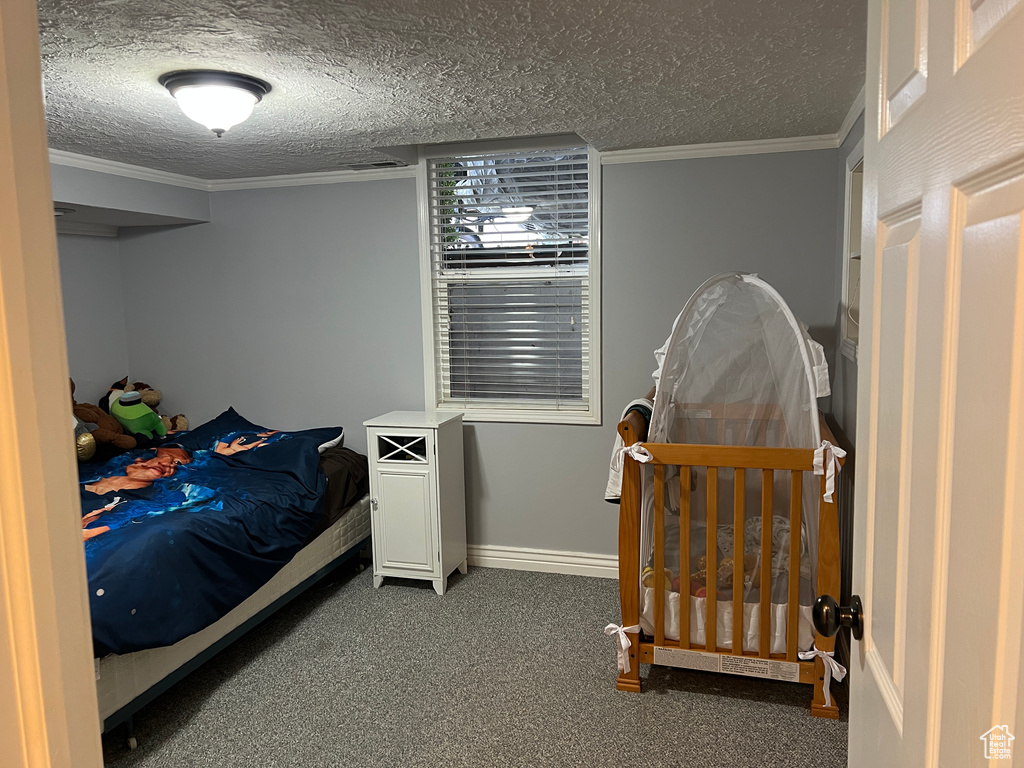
column 844, row 370
column 301, row 306
column 668, row 226
column 94, row 318
column 84, row 186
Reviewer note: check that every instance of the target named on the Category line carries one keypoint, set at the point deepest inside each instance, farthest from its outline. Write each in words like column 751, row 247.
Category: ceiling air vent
column 373, row 166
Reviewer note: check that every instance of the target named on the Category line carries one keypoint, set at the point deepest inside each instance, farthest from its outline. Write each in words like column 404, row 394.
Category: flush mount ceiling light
column 217, row 100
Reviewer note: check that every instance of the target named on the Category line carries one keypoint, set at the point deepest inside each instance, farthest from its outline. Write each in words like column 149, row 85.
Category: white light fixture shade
column 218, row 107
column 218, row 100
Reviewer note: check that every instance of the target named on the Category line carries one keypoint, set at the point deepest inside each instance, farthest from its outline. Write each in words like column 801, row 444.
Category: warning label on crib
column 677, row 657
column 732, row 665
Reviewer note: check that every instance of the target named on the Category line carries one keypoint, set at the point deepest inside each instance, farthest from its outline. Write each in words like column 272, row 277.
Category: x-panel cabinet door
column 939, row 540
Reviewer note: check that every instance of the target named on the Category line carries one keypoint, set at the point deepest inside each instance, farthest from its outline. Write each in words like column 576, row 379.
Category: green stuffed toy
column 136, row 417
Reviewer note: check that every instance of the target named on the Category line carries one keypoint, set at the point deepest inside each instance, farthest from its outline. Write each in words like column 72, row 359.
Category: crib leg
column 630, row 681
column 818, row 708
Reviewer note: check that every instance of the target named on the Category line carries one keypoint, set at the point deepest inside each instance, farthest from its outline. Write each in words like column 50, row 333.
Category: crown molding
column 719, row 149
column 614, row 157
column 71, row 160
column 730, row 148
column 851, row 117
column 305, row 179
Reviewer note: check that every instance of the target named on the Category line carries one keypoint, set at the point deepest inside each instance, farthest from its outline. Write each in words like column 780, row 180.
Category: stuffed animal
column 175, row 423
column 647, row 578
column 108, row 429
column 85, row 443
column 115, row 391
column 724, row 574
column 151, row 397
column 137, row 418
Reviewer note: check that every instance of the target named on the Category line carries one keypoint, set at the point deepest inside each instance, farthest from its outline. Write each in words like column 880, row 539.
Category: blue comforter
column 177, row 536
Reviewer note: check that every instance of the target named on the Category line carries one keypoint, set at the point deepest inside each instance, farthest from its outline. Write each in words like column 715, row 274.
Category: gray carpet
column 507, row 669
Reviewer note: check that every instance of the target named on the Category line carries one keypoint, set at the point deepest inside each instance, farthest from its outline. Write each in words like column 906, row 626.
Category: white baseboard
column 545, row 561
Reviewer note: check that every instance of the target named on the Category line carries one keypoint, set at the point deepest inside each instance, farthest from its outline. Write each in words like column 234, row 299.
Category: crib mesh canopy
column 736, row 343
column 737, row 369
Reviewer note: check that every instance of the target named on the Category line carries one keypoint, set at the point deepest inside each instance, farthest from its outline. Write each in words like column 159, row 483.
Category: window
column 510, row 282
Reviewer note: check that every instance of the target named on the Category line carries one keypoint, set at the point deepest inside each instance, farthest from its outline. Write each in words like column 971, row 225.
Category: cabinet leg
column 377, row 581
column 463, row 568
column 440, row 585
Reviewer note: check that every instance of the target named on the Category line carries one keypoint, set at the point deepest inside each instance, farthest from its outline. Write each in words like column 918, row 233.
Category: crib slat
column 767, row 489
column 658, row 580
column 738, row 536
column 796, row 495
column 711, row 614
column 684, row 557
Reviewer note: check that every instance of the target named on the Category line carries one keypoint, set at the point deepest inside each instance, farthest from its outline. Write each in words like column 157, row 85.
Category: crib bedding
column 777, row 638
column 221, row 510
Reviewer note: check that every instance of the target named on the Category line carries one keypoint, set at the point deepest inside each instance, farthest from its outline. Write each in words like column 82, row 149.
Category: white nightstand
column 417, row 496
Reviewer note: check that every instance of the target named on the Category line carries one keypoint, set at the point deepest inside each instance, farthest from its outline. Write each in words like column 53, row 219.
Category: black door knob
column 828, row 617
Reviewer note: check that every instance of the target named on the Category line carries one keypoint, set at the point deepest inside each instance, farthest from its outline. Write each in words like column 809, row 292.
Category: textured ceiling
column 352, row 77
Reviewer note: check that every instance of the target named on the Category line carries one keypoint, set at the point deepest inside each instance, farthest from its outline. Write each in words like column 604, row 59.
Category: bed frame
column 126, row 683
column 661, row 650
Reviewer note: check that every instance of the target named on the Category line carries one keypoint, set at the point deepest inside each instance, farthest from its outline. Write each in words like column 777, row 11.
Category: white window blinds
column 510, row 280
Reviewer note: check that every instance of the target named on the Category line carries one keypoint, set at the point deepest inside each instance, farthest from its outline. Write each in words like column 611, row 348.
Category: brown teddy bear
column 175, row 423
column 109, row 430
column 150, row 395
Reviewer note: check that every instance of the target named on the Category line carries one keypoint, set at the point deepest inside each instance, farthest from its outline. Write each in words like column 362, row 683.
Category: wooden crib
column 659, row 649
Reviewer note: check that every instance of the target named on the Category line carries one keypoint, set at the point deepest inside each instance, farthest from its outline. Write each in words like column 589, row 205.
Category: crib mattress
column 724, row 623
column 121, row 678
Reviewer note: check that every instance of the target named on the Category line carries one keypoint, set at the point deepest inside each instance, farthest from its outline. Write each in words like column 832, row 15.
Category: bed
column 193, row 543
column 723, row 470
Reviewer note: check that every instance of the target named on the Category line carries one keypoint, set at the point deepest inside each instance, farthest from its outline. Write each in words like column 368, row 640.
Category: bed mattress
column 121, row 678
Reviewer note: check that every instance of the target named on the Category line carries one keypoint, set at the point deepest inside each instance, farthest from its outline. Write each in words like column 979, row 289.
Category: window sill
column 522, row 417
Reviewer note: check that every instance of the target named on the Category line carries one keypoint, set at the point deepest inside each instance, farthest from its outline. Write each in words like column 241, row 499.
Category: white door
column 48, row 713
column 939, row 544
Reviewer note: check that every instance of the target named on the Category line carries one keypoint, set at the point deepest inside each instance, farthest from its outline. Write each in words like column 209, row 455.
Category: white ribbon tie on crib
column 622, row 644
column 636, row 450
column 826, row 462
column 832, row 667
